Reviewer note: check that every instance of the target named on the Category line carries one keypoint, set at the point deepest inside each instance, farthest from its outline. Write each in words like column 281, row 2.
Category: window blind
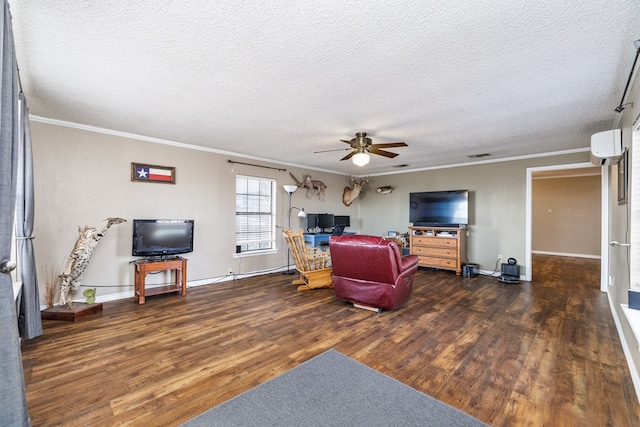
column 255, row 213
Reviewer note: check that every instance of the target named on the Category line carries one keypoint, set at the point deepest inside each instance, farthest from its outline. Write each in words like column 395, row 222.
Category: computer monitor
column 312, row 222
column 342, row 220
column 325, row 221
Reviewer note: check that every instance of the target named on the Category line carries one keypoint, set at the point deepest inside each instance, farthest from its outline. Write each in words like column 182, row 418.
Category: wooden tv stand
column 143, row 267
column 439, row 247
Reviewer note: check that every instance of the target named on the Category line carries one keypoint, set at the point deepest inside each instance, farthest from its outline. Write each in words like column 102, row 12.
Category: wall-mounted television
column 159, row 238
column 439, row 208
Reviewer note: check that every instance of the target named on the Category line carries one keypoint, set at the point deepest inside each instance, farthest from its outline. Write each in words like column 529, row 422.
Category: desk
column 316, row 238
column 143, row 267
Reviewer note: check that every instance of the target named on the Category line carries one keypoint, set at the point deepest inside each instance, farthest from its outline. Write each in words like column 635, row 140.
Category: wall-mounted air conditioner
column 606, row 147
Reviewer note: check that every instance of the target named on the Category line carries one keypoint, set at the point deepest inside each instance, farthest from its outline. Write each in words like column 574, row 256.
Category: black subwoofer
column 470, row 270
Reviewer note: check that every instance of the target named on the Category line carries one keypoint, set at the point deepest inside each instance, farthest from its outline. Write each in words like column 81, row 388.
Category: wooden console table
column 143, row 267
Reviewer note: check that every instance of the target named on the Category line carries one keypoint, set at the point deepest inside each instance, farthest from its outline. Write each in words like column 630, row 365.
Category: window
column 255, row 213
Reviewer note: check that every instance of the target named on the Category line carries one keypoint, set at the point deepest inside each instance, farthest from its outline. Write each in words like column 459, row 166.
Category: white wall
column 619, row 226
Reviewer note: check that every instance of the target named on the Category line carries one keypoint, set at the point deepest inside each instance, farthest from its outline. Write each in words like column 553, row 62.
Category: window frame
column 634, row 210
column 261, row 221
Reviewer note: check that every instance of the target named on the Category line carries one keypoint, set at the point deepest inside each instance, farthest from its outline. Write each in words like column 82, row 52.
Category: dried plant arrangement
column 51, row 284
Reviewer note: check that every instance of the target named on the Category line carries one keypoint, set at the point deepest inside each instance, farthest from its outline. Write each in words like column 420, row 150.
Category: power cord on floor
column 495, row 270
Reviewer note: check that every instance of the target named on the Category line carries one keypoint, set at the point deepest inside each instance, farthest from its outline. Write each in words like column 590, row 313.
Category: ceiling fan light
column 360, row 159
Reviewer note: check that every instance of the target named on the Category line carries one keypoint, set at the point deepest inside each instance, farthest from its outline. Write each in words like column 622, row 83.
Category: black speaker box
column 470, row 270
column 634, row 299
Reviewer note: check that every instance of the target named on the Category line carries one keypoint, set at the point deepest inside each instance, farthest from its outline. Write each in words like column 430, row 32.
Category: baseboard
column 635, row 378
column 488, row 272
column 566, row 254
column 494, row 273
column 190, row 284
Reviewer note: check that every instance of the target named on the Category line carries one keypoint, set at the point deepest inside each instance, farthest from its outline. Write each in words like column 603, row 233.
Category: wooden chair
column 313, row 265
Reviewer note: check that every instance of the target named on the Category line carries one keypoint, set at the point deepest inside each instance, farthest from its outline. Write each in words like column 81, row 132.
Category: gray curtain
column 13, row 402
column 29, row 318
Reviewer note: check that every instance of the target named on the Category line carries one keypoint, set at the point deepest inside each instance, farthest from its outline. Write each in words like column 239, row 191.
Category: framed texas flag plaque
column 152, row 173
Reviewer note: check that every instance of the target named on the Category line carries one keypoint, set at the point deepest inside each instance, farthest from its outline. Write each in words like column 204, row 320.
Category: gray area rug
column 333, row 390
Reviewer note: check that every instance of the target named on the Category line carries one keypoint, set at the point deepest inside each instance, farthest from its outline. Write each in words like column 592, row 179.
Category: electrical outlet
column 230, row 270
column 500, row 258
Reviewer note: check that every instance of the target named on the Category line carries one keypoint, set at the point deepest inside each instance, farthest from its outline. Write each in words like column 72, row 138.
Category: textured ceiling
column 279, row 80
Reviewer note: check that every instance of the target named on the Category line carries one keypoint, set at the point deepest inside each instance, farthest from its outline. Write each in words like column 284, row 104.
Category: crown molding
column 278, row 162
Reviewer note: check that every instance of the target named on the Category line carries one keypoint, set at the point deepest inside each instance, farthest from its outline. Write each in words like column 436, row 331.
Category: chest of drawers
column 439, row 247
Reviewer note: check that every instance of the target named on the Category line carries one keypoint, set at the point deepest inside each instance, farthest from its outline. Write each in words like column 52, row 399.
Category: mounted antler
column 350, row 194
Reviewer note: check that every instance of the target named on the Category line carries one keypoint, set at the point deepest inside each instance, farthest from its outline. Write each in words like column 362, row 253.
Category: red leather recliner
column 369, row 271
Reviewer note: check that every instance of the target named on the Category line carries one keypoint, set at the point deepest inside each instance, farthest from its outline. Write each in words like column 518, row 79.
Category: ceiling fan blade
column 361, row 143
column 328, row 151
column 382, row 153
column 390, row 145
column 348, row 156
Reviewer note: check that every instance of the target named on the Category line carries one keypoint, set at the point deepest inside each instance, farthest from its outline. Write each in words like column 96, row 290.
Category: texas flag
column 145, row 172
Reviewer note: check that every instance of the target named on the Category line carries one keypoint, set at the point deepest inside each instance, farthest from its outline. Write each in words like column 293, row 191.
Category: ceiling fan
column 361, row 146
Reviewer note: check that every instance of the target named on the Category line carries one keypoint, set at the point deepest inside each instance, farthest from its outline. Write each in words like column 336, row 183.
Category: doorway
column 567, row 170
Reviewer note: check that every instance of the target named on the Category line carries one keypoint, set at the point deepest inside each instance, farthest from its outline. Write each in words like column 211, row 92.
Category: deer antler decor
column 350, row 194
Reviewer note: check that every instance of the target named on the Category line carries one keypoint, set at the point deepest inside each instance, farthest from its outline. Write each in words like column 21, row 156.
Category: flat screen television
column 439, row 208
column 342, row 220
column 159, row 238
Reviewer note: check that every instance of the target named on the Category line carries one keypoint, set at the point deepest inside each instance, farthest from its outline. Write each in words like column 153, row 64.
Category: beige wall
column 83, row 177
column 496, row 203
column 566, row 215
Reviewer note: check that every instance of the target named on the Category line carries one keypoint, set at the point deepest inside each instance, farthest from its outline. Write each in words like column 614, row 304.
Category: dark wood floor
column 539, row 353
